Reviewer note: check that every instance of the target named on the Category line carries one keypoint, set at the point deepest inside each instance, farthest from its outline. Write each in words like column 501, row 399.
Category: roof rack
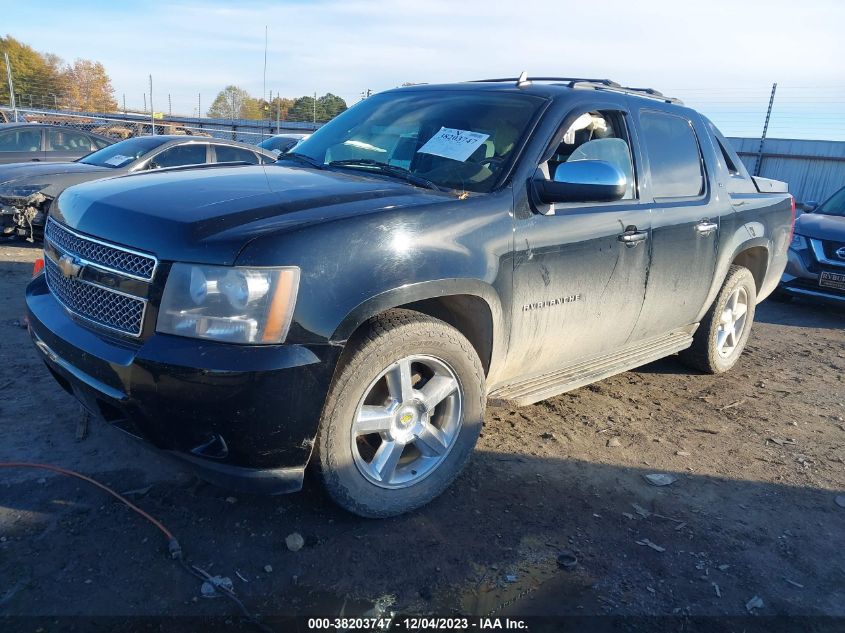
column 582, row 82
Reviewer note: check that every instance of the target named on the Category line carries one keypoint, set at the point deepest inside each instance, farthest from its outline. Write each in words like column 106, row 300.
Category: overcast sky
column 719, row 55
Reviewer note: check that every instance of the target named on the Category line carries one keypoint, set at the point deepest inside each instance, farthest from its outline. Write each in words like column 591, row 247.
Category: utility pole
column 758, row 163
column 315, row 108
column 145, row 103
column 199, row 105
column 11, row 86
column 264, row 81
column 152, row 109
column 169, row 106
column 124, row 104
column 278, row 111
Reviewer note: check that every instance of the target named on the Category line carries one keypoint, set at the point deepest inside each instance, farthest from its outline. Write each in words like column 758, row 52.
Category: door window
column 193, row 154
column 68, row 141
column 599, row 135
column 229, row 154
column 673, row 155
column 20, row 140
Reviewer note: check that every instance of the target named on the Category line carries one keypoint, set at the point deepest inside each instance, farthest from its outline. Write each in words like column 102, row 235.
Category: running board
column 562, row 380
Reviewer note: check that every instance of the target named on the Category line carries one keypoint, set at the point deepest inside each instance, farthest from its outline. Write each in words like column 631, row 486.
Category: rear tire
column 402, row 416
column 721, row 337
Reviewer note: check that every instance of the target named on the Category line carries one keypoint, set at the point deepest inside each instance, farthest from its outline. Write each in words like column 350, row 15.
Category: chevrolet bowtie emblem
column 69, row 266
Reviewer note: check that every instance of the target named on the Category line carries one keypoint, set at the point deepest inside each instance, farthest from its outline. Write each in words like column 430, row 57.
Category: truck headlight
column 11, row 190
column 230, row 304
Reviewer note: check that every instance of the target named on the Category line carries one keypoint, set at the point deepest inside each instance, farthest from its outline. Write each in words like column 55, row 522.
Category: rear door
column 686, row 218
column 65, row 145
column 578, row 288
column 189, row 153
column 232, row 154
column 21, row 143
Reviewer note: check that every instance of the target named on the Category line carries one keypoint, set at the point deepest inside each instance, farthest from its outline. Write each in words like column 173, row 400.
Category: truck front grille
column 831, row 248
column 116, row 259
column 98, row 304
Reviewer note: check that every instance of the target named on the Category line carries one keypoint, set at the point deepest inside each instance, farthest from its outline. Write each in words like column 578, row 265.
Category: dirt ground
column 759, row 456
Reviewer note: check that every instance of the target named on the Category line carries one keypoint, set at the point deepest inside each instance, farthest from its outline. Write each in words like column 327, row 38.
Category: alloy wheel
column 407, row 422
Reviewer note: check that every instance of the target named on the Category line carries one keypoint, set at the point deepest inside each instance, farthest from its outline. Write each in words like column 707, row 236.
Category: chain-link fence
column 119, row 126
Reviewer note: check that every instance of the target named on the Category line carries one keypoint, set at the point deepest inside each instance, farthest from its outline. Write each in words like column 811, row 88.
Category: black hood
column 208, row 214
column 821, row 227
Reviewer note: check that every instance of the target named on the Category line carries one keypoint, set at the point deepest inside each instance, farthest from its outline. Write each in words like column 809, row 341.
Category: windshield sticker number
column 118, row 160
column 455, row 144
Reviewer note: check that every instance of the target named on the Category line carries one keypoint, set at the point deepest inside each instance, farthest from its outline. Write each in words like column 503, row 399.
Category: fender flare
column 433, row 289
column 725, row 263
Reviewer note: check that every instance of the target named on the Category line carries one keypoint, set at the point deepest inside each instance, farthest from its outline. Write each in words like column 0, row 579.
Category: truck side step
column 560, row 381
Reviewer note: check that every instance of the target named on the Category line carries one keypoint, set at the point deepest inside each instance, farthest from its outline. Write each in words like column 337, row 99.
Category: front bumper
column 243, row 416
column 801, row 279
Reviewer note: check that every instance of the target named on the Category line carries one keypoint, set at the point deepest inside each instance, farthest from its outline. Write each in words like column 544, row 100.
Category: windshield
column 835, row 205
column 122, row 153
column 455, row 140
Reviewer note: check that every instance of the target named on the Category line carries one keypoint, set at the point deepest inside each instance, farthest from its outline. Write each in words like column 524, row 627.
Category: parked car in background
column 816, row 267
column 26, row 189
column 356, row 303
column 281, row 143
column 36, row 142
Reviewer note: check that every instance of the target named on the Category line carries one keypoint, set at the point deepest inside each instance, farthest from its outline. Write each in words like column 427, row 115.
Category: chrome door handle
column 631, row 237
column 706, row 227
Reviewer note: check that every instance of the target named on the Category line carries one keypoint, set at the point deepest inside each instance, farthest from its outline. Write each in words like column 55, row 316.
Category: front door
column 20, row 144
column 578, row 287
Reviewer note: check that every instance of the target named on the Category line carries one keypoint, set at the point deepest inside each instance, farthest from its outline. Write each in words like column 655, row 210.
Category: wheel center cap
column 406, row 422
column 406, row 419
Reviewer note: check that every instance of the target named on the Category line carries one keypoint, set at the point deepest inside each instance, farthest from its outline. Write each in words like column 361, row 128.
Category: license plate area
column 832, row 280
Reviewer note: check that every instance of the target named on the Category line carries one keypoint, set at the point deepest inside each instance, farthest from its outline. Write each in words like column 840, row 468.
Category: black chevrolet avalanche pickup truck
column 356, row 304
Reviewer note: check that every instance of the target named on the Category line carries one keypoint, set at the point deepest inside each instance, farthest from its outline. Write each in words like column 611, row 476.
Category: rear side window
column 673, row 155
column 181, row 155
column 68, row 141
column 229, row 154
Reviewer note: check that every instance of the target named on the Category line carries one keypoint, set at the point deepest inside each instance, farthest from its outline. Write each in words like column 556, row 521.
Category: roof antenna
column 522, row 82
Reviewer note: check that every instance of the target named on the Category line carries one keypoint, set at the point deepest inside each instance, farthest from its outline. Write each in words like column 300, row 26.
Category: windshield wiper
column 303, row 158
column 389, row 170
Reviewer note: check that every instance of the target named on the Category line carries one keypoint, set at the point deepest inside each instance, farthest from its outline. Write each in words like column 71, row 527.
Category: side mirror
column 811, row 206
column 583, row 181
column 152, row 165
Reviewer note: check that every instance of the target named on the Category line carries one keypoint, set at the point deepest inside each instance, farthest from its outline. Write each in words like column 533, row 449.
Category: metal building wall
column 813, row 169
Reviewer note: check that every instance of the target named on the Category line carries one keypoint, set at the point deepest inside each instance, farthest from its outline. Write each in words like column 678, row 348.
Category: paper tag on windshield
column 118, row 160
column 455, row 144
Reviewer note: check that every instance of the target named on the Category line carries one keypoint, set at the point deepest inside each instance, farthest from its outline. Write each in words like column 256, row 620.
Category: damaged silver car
column 27, row 189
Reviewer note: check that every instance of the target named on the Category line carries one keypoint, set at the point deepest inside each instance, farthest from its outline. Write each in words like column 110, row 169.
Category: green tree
column 323, row 109
column 302, row 110
column 329, row 106
column 234, row 103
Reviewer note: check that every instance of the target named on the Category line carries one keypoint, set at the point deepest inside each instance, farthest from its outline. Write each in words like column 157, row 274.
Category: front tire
column 402, row 416
column 720, row 339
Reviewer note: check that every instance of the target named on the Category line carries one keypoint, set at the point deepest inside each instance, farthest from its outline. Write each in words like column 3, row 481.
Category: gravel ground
column 759, row 456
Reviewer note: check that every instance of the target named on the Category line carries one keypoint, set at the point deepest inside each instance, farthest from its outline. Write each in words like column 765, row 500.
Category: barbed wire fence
column 46, row 102
column 799, row 111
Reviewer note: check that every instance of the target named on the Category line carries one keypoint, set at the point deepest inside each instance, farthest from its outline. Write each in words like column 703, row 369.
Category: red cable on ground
column 172, row 543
